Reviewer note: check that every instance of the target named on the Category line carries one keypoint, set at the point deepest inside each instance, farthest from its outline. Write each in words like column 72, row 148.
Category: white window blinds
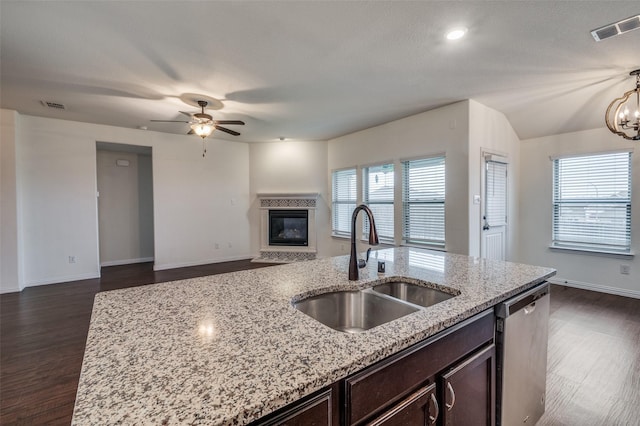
column 423, row 189
column 496, row 193
column 344, row 197
column 592, row 202
column 377, row 193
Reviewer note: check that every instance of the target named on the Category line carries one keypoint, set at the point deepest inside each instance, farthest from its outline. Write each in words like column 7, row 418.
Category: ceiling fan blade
column 191, row 132
column 186, row 113
column 170, row 121
column 224, row 129
column 238, row 122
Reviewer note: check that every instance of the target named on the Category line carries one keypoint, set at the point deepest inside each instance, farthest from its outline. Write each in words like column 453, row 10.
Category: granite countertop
column 231, row 348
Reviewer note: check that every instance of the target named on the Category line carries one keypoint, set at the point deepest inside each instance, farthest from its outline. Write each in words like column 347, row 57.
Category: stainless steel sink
column 353, row 311
column 412, row 293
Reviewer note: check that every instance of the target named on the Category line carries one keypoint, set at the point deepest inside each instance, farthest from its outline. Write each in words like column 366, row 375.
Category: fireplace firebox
column 288, row 227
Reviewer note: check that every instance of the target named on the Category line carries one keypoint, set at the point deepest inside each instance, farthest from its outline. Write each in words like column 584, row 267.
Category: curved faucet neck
column 373, row 239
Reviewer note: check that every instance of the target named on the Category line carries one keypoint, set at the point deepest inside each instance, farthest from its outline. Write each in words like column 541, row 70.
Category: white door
column 494, row 215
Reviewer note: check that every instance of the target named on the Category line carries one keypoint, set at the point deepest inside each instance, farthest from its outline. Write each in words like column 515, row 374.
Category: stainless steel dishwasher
column 522, row 335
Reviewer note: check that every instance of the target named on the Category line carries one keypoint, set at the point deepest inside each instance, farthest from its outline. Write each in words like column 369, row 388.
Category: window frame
column 388, row 239
column 433, row 243
column 342, row 233
column 598, row 247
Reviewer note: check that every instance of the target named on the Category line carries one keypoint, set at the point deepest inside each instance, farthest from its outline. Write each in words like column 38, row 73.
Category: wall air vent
column 617, row 28
column 54, row 105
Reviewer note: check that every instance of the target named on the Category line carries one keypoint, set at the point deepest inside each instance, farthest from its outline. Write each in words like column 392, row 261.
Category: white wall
column 598, row 272
column 443, row 130
column 59, row 220
column 290, row 167
column 490, row 132
column 145, row 205
column 198, row 201
column 10, row 271
column 124, row 231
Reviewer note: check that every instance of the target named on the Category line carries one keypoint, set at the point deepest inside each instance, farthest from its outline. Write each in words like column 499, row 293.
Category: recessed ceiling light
column 456, row 33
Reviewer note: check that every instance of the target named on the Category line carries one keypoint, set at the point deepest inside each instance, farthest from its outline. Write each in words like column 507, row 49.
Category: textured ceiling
column 314, row 70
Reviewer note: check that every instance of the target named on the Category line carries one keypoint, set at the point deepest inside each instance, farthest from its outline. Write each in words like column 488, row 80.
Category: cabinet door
column 419, row 408
column 468, row 391
column 317, row 411
column 383, row 385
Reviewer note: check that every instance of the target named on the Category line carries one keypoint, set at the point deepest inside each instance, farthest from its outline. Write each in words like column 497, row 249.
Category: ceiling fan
column 203, row 124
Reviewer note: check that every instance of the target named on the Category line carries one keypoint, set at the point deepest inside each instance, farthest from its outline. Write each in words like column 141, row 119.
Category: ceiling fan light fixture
column 623, row 114
column 456, row 33
column 202, row 129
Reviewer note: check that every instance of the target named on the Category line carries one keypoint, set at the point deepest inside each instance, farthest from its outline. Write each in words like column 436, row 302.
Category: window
column 495, row 208
column 377, row 193
column 423, row 191
column 592, row 202
column 344, row 197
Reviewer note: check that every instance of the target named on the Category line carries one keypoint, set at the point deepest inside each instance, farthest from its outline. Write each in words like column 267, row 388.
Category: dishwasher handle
column 524, row 301
column 529, row 309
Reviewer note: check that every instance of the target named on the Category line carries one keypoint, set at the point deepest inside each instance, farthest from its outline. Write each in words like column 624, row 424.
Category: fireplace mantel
column 285, row 201
column 288, row 201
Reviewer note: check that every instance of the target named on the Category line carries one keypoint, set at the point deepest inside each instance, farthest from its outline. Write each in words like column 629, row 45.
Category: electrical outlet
column 625, row 269
column 72, row 259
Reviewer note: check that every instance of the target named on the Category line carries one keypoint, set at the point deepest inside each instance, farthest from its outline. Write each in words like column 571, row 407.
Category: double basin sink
column 356, row 311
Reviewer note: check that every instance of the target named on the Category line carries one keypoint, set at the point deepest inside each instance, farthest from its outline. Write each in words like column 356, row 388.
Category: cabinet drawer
column 381, row 385
column 414, row 410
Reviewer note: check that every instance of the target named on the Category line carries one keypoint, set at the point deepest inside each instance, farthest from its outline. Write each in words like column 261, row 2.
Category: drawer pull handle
column 453, row 397
column 432, row 419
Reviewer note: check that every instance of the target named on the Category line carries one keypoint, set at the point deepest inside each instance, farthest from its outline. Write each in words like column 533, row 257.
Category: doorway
column 125, row 203
column 494, row 210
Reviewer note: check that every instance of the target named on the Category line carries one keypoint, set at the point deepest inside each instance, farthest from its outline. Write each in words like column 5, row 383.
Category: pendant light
column 623, row 115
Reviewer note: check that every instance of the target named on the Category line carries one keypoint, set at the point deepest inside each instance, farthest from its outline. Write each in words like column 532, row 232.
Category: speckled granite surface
column 231, row 348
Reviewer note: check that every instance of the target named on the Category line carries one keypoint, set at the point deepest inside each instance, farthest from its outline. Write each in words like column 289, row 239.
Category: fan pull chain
column 204, row 148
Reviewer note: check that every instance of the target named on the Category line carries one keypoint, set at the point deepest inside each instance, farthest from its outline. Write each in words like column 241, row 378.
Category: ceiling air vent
column 54, row 105
column 617, row 28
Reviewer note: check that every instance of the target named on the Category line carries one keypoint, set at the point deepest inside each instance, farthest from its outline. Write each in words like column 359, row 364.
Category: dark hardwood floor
column 593, row 372
column 43, row 331
column 594, row 348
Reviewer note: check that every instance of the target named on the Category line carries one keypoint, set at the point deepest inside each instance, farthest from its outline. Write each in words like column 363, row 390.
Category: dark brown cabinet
column 420, row 408
column 446, row 380
column 463, row 394
column 320, row 409
column 393, row 387
column 468, row 391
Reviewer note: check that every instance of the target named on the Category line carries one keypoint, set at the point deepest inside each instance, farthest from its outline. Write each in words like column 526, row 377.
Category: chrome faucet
column 373, row 240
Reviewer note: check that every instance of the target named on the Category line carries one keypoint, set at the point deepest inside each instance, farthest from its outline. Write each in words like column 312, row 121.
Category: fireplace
column 288, row 227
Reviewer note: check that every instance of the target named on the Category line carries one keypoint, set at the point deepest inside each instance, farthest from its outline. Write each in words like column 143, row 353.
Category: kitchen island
column 231, row 348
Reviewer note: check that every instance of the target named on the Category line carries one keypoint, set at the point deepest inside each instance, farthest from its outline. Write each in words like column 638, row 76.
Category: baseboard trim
column 157, row 267
column 126, row 261
column 65, row 279
column 9, row 290
column 596, row 287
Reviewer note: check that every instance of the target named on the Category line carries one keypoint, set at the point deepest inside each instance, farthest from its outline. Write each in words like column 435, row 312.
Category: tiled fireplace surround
column 286, row 254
